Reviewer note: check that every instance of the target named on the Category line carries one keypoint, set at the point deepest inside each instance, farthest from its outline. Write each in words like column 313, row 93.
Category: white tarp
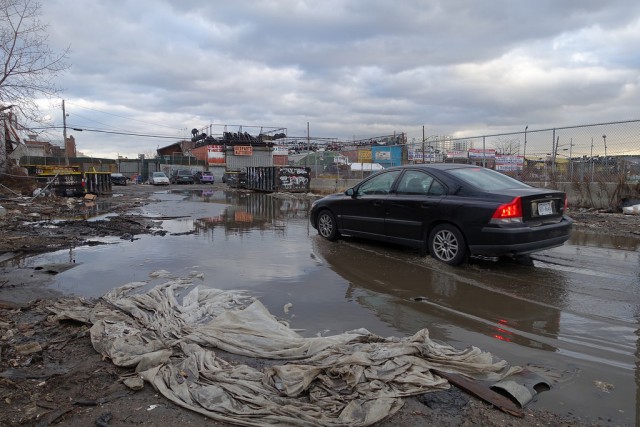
column 169, row 335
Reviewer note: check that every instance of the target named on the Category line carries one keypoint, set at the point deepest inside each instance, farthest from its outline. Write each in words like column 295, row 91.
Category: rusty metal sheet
column 482, row 392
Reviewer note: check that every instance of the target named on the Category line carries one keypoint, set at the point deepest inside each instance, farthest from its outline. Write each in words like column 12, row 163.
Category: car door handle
column 378, row 203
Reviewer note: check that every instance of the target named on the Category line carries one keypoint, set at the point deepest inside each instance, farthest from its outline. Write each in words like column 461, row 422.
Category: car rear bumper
column 521, row 240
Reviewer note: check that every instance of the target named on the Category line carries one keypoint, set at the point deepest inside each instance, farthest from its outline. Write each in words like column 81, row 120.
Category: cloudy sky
column 350, row 68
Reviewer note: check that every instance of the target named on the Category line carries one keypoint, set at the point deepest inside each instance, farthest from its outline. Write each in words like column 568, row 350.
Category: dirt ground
column 51, row 375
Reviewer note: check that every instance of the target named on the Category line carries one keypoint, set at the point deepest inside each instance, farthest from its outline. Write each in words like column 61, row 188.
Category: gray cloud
column 357, row 68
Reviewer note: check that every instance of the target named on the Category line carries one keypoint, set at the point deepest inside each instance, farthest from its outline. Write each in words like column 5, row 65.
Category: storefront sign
column 243, row 150
column 215, row 154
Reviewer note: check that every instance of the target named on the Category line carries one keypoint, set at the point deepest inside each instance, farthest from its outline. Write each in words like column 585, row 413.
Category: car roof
column 438, row 166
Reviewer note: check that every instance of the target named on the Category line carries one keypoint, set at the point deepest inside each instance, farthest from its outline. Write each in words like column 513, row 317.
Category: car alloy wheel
column 447, row 245
column 327, row 226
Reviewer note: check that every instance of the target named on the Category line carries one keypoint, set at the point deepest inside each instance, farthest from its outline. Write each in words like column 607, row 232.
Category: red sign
column 243, row 150
column 215, row 154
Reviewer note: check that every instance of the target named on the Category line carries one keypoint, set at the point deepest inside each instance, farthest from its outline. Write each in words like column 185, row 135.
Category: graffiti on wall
column 293, row 178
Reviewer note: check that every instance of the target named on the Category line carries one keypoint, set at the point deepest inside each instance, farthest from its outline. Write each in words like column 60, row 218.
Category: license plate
column 545, row 208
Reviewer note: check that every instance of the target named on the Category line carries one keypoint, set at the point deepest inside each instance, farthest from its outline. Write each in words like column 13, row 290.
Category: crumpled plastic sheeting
column 168, row 335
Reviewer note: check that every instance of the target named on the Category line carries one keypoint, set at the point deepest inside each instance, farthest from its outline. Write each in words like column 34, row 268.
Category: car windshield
column 159, row 174
column 487, row 179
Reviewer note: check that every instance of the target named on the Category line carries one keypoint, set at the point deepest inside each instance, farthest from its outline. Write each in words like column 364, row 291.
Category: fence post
column 484, row 153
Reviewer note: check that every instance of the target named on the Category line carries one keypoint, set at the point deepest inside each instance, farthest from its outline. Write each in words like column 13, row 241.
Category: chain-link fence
column 605, row 152
column 596, row 153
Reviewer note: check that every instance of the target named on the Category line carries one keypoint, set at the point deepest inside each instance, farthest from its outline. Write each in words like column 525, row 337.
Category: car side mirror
column 350, row 192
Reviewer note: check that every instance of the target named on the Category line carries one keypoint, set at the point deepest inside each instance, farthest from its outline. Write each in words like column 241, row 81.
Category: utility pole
column 64, row 134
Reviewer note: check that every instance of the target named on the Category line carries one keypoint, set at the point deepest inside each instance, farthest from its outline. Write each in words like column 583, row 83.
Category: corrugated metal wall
column 128, row 168
column 261, row 157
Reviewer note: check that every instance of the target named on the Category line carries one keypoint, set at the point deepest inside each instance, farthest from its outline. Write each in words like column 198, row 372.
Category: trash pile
column 631, row 207
column 169, row 334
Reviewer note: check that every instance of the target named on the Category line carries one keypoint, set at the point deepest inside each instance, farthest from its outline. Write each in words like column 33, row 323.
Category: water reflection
column 247, row 211
column 582, row 238
column 546, row 318
column 428, row 297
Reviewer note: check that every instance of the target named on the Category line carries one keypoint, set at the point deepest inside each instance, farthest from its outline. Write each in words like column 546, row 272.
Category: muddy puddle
column 572, row 316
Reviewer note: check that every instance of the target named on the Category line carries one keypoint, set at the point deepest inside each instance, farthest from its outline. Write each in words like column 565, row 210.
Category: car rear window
column 487, row 179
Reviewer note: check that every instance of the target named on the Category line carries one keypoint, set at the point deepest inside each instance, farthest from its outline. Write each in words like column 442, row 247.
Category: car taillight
column 508, row 213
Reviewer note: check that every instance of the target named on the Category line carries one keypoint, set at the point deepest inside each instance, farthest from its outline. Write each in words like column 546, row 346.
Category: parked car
column 181, row 176
column 203, row 177
column 235, row 179
column 451, row 211
column 118, row 179
column 158, row 178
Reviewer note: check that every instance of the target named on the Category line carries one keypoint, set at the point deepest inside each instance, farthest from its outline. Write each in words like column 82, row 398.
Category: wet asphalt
column 571, row 315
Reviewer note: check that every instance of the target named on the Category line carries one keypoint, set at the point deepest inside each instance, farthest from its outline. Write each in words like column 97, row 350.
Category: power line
column 145, row 135
column 117, row 115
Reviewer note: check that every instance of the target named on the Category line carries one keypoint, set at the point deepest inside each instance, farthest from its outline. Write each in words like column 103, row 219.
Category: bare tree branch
column 28, row 66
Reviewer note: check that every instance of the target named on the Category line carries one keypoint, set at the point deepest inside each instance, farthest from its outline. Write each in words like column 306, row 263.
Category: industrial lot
column 64, row 224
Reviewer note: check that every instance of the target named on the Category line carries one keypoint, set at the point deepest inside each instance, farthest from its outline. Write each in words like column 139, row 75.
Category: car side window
column 379, row 184
column 419, row 183
column 437, row 189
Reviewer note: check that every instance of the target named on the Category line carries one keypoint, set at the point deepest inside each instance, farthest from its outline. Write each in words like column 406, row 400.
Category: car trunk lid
column 532, row 206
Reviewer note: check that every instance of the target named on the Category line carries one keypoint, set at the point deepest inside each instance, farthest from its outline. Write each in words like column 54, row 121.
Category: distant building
column 180, row 148
column 71, row 147
column 31, row 147
column 462, row 145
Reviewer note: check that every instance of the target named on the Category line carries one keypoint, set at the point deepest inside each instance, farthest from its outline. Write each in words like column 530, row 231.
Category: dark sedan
column 118, row 179
column 181, row 176
column 451, row 211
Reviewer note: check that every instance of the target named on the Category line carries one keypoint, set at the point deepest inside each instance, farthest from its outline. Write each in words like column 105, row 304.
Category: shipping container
column 293, row 179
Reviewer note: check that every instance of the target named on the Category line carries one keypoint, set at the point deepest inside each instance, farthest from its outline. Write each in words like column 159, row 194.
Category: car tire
column 327, row 225
column 447, row 244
